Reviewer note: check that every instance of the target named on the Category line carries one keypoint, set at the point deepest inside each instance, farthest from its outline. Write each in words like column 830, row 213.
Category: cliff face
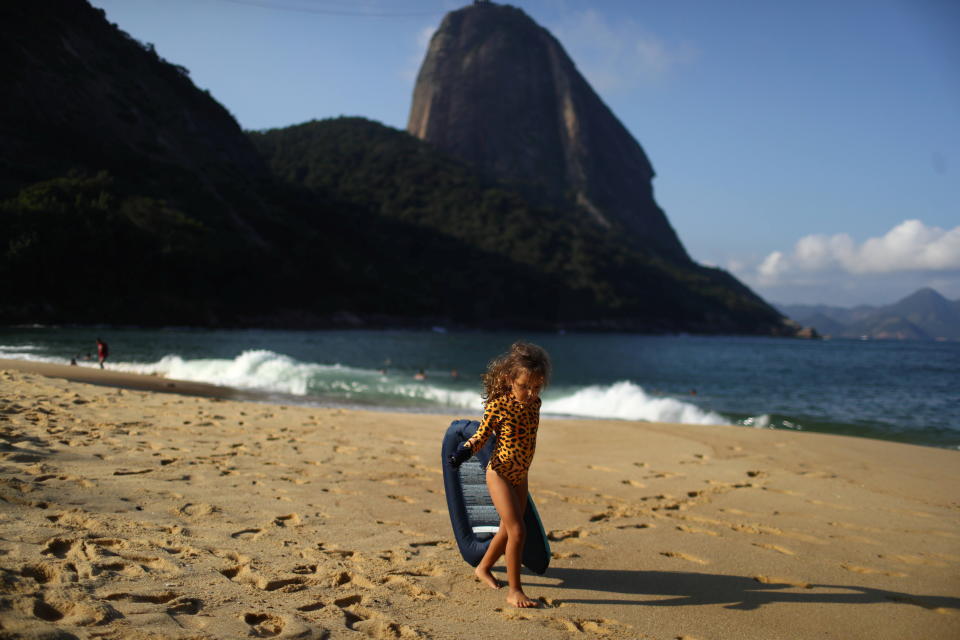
column 498, row 91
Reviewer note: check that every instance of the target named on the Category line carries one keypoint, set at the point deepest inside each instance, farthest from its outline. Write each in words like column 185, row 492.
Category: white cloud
column 910, row 246
column 621, row 54
column 835, row 269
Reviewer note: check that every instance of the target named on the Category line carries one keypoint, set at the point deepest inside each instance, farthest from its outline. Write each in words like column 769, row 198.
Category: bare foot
column 486, row 577
column 520, row 600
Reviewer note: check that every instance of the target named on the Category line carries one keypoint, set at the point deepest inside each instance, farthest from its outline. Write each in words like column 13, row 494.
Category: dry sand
column 137, row 514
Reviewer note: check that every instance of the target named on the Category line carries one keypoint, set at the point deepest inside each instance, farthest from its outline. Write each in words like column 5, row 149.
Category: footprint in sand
column 230, row 554
column 69, row 608
column 150, row 563
column 289, row 520
column 430, row 543
column 858, row 539
column 48, row 573
column 867, row 570
column 162, row 597
column 908, row 559
column 244, row 575
column 686, row 529
column 684, row 556
column 110, row 543
column 550, row 603
column 375, row 625
column 59, row 547
column 185, row 606
column 775, row 547
column 410, row 587
column 305, row 569
column 563, row 534
column 591, row 627
column 780, row 581
column 264, row 625
column 285, row 585
column 197, row 510
column 247, row 534
column 342, row 578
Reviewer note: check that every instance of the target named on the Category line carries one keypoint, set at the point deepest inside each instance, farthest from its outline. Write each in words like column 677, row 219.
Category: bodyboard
column 472, row 514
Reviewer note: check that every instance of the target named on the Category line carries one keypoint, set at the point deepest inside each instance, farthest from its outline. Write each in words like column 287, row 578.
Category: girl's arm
column 486, row 428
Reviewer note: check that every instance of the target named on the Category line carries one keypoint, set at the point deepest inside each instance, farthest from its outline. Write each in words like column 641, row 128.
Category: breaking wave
column 628, row 401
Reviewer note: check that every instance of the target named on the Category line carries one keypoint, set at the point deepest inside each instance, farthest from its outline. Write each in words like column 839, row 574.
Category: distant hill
column 923, row 315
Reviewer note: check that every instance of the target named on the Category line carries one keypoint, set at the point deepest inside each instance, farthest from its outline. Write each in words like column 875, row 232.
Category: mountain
column 129, row 196
column 499, row 92
column 808, row 314
column 923, row 315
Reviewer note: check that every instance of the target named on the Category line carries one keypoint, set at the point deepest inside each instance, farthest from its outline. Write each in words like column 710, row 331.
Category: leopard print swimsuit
column 515, row 424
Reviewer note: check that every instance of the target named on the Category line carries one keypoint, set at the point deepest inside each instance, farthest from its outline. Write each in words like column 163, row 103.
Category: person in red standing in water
column 102, row 351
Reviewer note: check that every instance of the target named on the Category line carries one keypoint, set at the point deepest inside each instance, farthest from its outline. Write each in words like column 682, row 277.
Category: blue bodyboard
column 472, row 514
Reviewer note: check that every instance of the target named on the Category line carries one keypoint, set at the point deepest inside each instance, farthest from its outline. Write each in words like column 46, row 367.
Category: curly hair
column 502, row 370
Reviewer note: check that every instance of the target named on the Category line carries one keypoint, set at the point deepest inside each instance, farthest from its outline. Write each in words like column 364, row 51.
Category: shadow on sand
column 736, row 592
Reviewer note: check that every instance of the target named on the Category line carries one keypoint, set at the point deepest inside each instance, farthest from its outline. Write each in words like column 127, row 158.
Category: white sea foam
column 628, row 401
column 27, row 352
column 766, row 422
column 256, row 369
column 757, row 422
column 438, row 395
column 264, row 370
column 14, row 348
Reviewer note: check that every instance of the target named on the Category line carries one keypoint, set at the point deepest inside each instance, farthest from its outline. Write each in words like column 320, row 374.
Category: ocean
column 894, row 390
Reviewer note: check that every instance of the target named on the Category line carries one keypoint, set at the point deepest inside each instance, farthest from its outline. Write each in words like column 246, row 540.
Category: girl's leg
column 509, row 506
column 498, row 545
column 494, row 550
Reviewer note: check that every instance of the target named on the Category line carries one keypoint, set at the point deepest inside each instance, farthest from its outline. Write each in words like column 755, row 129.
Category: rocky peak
column 498, row 91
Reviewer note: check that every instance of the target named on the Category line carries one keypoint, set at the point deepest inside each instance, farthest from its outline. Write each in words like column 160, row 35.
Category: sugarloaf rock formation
column 499, row 92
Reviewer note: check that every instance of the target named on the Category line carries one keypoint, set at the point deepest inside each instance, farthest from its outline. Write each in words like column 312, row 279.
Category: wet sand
column 131, row 513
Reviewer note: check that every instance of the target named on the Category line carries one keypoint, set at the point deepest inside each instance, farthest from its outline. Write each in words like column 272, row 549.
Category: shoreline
column 147, row 382
column 124, row 380
column 151, row 515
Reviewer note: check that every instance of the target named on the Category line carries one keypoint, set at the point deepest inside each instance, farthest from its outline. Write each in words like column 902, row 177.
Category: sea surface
column 894, row 390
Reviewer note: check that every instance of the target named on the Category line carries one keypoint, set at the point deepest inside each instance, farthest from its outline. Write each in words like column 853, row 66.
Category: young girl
column 511, row 392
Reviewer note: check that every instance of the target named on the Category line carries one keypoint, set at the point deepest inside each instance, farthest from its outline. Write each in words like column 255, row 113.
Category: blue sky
column 810, row 147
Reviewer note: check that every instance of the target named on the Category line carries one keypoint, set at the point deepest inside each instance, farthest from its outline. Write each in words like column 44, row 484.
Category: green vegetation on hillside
column 607, row 282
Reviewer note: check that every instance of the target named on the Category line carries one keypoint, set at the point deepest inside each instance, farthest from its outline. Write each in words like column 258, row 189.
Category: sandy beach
column 134, row 510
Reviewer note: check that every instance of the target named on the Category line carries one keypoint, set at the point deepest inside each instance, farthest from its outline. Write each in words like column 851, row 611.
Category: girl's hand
column 463, row 454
